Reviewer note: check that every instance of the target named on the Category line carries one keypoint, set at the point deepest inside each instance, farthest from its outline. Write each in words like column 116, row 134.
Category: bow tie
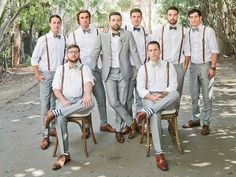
column 115, row 34
column 57, row 36
column 73, row 67
column 138, row 29
column 86, row 31
column 195, row 29
column 172, row 27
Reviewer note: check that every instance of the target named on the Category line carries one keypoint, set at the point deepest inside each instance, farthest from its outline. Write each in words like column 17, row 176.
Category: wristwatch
column 213, row 68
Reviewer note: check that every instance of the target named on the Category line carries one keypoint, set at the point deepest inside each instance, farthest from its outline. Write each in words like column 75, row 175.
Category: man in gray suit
column 116, row 45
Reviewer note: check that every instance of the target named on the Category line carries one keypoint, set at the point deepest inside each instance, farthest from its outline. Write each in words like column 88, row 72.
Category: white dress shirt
column 56, row 48
column 139, row 37
column 195, row 44
column 157, row 78
column 72, row 85
column 171, row 42
column 85, row 41
column 115, row 63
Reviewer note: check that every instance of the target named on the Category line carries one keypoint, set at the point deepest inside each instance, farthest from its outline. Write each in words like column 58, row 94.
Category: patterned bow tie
column 73, row 67
column 86, row 31
column 195, row 29
column 138, row 29
column 172, row 28
column 115, row 34
column 57, row 36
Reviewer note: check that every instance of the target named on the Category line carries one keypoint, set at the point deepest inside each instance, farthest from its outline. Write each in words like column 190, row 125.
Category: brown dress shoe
column 107, row 128
column 140, row 116
column 126, row 130
column 132, row 131
column 45, row 143
column 61, row 161
column 161, row 162
column 119, row 137
column 205, row 130
column 48, row 119
column 191, row 123
column 52, row 132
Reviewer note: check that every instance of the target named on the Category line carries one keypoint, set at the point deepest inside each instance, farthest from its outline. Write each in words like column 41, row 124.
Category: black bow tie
column 173, row 27
column 86, row 31
column 195, row 29
column 138, row 29
column 115, row 34
column 57, row 36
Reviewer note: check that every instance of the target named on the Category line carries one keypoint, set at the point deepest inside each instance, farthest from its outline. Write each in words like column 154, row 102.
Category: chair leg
column 142, row 132
column 55, row 147
column 84, row 141
column 177, row 136
column 148, row 137
column 91, row 128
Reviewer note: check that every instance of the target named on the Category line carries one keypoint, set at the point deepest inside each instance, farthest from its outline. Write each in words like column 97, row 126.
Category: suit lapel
column 108, row 42
column 121, row 40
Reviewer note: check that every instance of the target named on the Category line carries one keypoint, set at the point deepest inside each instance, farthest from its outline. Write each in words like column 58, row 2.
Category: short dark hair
column 81, row 12
column 193, row 11
column 136, row 10
column 154, row 42
column 73, row 46
column 115, row 13
column 173, row 8
column 54, row 16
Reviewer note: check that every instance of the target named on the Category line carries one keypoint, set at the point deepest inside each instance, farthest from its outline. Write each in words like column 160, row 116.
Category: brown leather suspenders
column 181, row 45
column 168, row 75
column 145, row 44
column 82, row 78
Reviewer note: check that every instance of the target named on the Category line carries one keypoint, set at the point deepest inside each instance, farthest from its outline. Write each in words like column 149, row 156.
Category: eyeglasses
column 71, row 52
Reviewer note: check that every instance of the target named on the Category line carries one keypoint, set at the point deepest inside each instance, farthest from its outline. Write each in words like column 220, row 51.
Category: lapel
column 108, row 42
column 121, row 40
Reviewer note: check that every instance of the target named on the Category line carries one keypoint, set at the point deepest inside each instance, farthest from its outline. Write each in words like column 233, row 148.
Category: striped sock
column 149, row 112
column 57, row 112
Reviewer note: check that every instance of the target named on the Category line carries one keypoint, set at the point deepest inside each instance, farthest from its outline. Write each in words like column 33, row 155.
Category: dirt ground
column 204, row 156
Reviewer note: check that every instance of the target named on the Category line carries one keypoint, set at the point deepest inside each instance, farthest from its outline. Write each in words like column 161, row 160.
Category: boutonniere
column 122, row 41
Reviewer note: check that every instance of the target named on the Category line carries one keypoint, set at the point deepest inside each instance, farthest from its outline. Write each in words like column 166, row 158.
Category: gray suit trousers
column 61, row 121
column 117, row 92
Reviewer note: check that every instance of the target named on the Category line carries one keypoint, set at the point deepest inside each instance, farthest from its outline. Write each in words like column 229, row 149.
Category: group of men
column 151, row 66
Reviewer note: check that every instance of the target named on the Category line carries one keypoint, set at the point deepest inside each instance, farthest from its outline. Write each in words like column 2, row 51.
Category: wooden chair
column 81, row 120
column 169, row 115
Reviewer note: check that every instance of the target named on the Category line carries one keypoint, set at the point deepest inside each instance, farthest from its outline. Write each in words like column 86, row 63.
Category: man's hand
column 211, row 73
column 65, row 103
column 39, row 77
column 87, row 101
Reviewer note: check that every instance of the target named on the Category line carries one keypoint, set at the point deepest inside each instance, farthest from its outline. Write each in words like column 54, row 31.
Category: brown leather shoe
column 120, row 138
column 132, row 131
column 48, row 119
column 107, row 128
column 61, row 161
column 52, row 132
column 205, row 130
column 140, row 116
column 126, row 130
column 191, row 124
column 161, row 162
column 45, row 143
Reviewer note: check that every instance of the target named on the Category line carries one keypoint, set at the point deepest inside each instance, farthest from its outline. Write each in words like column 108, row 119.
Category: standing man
column 116, row 45
column 156, row 84
column 171, row 36
column 47, row 56
column 72, row 85
column 202, row 48
column 141, row 38
column 85, row 36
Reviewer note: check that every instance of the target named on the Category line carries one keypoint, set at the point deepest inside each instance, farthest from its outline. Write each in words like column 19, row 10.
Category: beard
column 115, row 28
column 172, row 22
column 73, row 59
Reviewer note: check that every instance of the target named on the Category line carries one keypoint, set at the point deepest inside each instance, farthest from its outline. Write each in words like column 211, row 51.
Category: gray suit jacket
column 127, row 46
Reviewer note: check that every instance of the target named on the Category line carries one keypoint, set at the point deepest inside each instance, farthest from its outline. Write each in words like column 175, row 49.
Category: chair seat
column 166, row 112
column 80, row 115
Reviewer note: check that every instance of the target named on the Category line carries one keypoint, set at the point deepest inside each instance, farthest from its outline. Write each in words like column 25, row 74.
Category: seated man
column 72, row 85
column 156, row 84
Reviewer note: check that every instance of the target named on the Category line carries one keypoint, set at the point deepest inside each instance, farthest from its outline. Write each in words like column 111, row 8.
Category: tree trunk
column 16, row 47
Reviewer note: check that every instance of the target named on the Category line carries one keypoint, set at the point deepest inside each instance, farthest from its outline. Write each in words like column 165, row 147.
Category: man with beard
column 85, row 36
column 116, row 45
column 48, row 54
column 72, row 86
column 171, row 37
